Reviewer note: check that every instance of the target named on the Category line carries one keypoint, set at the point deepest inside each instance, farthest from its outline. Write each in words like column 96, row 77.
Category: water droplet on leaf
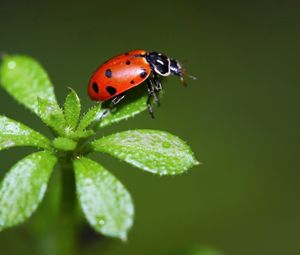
column 12, row 64
column 101, row 220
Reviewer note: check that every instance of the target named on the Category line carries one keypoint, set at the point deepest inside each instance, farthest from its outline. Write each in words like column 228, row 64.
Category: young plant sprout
column 104, row 200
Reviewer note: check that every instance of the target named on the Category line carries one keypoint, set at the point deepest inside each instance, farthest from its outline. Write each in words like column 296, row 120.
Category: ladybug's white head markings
column 165, row 66
column 176, row 68
column 159, row 63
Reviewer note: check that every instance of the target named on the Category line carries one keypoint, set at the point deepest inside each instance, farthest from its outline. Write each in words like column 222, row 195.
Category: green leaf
column 72, row 109
column 52, row 115
column 25, row 80
column 154, row 151
column 125, row 111
column 13, row 133
column 92, row 115
column 81, row 134
column 64, row 144
column 23, row 188
column 106, row 203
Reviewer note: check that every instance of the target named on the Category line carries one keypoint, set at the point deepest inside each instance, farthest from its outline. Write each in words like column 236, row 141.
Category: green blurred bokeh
column 241, row 116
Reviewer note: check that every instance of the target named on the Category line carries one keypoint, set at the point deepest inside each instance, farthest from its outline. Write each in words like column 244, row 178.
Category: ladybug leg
column 150, row 109
column 151, row 93
column 152, row 90
column 117, row 99
column 157, row 83
column 104, row 114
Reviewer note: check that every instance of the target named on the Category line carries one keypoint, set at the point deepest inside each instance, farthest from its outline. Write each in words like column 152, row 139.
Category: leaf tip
column 197, row 163
column 72, row 91
column 123, row 237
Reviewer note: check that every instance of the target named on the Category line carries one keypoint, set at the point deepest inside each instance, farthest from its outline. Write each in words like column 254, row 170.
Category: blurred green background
column 241, row 117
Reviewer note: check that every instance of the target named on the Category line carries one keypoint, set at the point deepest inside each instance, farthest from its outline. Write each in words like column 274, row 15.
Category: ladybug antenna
column 183, row 81
column 190, row 76
column 187, row 74
column 183, row 74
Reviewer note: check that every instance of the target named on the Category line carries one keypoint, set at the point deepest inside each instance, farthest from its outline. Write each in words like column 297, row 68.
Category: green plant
column 106, row 204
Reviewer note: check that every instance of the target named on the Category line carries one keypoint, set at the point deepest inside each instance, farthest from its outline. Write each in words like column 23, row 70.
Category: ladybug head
column 176, row 69
column 165, row 66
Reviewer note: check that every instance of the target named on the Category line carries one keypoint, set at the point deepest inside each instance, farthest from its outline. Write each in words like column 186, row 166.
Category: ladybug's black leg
column 150, row 109
column 152, row 90
column 151, row 94
column 105, row 113
column 157, row 83
column 117, row 99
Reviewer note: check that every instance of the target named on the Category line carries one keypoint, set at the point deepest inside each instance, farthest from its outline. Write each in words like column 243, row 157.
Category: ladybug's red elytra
column 125, row 71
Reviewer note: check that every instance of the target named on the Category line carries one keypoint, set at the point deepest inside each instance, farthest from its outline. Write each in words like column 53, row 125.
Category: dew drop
column 12, row 64
column 100, row 220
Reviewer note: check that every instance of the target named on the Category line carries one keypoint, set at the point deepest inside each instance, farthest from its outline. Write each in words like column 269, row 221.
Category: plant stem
column 66, row 230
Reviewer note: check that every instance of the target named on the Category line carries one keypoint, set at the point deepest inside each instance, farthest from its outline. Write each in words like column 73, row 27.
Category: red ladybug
column 125, row 71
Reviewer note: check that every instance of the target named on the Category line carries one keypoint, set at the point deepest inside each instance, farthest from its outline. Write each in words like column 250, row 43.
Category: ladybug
column 125, row 71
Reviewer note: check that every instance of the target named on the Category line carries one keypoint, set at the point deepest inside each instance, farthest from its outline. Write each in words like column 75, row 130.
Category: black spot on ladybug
column 108, row 73
column 128, row 62
column 111, row 90
column 143, row 74
column 95, row 87
column 126, row 54
column 132, row 82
